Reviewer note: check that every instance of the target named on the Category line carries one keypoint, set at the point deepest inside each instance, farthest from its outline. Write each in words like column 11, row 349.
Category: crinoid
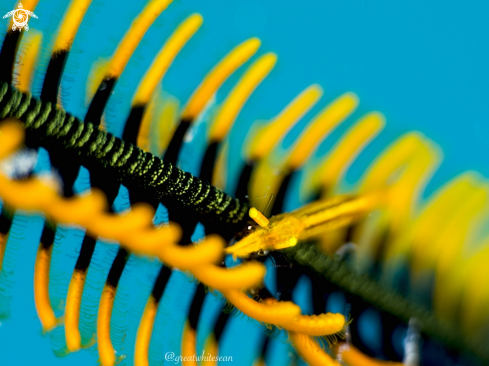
column 159, row 214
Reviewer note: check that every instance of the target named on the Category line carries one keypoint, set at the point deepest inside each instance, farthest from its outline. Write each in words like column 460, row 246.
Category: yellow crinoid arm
column 416, row 240
column 318, row 325
column 287, row 315
column 244, row 276
column 145, row 329
column 330, row 117
column 328, row 174
column 393, row 159
column 25, row 69
column 351, row 356
column 211, row 346
column 473, row 274
column 404, row 168
column 232, row 106
column 189, row 345
column 41, row 288
column 72, row 310
column 451, row 242
column 97, row 74
column 165, row 58
column 310, row 351
column 72, row 20
column 145, row 93
column 165, row 109
column 261, row 140
column 209, row 251
column 401, row 172
column 220, row 174
column 134, row 35
column 240, row 94
column 218, row 75
column 11, row 135
column 265, row 139
column 104, row 343
column 270, row 171
column 419, row 240
column 274, row 312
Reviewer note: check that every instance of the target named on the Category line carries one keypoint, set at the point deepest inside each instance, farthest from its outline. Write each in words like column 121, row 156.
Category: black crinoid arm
column 52, row 128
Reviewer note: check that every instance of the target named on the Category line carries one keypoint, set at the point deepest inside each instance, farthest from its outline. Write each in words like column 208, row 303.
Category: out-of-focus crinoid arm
column 136, row 233
column 351, row 356
column 310, row 351
column 243, row 276
column 276, row 312
column 48, row 126
column 133, row 228
column 363, row 288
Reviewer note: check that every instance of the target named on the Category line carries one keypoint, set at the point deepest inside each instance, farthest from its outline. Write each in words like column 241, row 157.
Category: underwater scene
column 223, row 182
